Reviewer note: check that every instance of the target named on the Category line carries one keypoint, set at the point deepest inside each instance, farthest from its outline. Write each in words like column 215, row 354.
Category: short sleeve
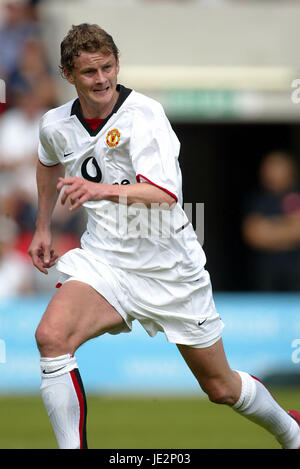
column 47, row 155
column 154, row 149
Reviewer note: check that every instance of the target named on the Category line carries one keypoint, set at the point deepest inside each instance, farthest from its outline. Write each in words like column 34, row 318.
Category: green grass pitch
column 156, row 422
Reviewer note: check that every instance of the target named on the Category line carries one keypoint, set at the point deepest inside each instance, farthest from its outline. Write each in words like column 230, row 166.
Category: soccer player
column 112, row 150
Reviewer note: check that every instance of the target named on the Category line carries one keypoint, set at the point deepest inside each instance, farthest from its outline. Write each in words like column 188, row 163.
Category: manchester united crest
column 113, row 138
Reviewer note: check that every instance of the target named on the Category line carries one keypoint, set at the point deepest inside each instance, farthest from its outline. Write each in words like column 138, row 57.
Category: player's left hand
column 79, row 191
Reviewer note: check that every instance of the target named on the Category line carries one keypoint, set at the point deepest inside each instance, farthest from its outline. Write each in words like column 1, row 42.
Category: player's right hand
column 41, row 252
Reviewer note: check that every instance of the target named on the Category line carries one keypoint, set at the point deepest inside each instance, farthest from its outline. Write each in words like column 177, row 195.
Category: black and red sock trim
column 77, row 382
column 257, row 379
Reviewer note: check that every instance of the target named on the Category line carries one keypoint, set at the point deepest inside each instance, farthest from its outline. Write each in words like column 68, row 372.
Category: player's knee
column 50, row 341
column 219, row 393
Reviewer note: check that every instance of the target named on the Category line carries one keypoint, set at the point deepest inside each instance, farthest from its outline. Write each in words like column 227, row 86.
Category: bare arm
column 80, row 190
column 40, row 249
column 276, row 234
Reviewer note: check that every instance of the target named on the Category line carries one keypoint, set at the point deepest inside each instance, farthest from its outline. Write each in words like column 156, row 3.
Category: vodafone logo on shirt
column 113, row 138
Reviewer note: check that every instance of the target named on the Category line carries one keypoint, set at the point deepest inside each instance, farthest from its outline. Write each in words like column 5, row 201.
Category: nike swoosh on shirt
column 67, row 154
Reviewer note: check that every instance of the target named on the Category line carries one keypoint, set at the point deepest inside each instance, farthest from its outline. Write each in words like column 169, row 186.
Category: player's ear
column 68, row 76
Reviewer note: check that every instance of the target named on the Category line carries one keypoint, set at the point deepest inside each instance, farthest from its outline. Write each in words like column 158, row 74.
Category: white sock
column 257, row 404
column 64, row 398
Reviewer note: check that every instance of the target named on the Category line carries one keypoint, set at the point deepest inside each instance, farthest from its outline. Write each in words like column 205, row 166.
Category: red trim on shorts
column 139, row 176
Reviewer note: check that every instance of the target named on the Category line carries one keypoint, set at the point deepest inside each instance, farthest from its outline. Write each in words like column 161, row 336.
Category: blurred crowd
column 30, row 91
column 271, row 225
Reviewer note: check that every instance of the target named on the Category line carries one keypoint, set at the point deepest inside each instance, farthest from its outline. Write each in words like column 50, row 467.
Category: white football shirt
column 135, row 143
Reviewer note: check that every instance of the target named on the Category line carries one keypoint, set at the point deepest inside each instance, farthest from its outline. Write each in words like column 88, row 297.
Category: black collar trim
column 76, row 110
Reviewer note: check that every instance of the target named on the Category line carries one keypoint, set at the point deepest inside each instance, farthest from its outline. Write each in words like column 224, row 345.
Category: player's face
column 95, row 78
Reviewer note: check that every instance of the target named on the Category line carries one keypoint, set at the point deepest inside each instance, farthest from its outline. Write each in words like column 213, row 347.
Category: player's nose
column 99, row 77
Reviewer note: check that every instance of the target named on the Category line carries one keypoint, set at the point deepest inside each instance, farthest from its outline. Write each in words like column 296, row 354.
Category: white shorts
column 185, row 312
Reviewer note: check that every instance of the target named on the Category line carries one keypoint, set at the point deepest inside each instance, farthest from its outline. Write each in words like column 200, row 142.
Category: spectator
column 16, row 276
column 271, row 227
column 33, row 71
column 19, row 133
column 17, row 28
